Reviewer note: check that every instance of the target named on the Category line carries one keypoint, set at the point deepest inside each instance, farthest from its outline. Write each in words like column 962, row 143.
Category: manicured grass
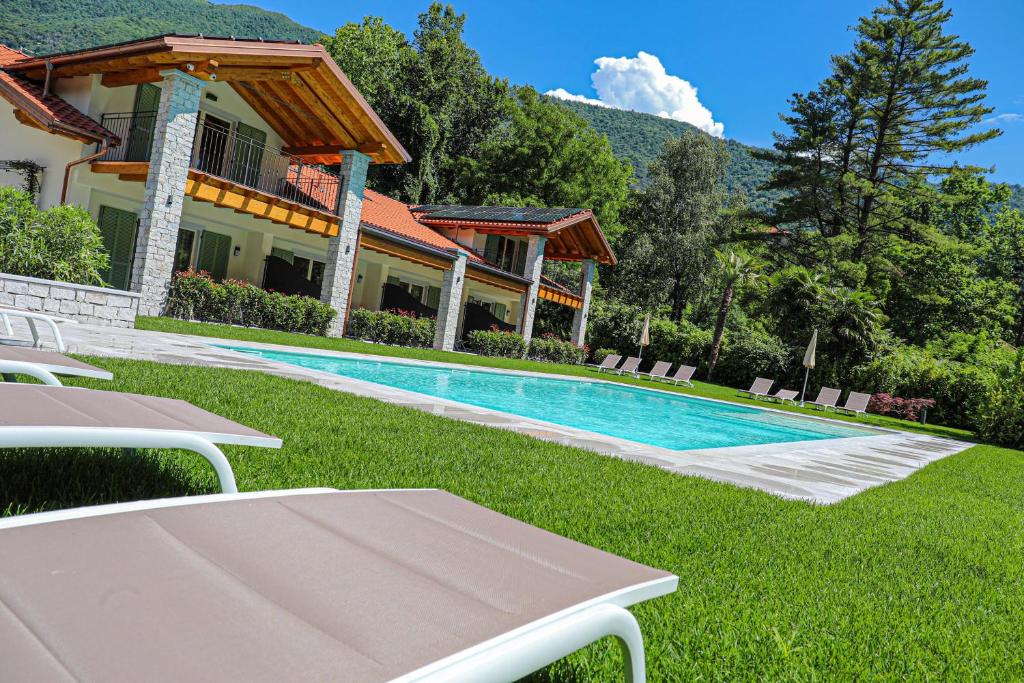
column 919, row 579
column 354, row 346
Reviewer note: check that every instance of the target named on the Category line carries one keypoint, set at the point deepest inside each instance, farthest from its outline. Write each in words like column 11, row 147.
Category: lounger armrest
column 31, row 318
column 14, row 367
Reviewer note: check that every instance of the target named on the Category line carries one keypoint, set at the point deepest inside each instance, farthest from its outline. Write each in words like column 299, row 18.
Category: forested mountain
column 640, row 137
column 46, row 26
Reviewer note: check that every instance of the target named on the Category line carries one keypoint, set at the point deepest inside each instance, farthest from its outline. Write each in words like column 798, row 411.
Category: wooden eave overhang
column 297, row 89
column 573, row 238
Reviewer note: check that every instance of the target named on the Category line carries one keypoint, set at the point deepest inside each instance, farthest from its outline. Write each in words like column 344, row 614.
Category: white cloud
column 641, row 84
column 1004, row 118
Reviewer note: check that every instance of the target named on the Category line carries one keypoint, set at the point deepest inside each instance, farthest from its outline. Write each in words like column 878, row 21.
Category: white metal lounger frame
column 9, row 368
column 32, row 318
column 110, row 437
column 507, row 657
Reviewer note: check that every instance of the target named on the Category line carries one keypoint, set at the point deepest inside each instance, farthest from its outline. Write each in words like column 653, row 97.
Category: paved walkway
column 824, row 471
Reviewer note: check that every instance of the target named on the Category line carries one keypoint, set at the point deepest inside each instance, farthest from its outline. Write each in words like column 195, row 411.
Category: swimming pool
column 657, row 418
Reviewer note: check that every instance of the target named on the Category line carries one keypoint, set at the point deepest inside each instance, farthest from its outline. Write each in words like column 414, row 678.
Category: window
column 302, row 265
column 506, row 253
column 213, row 254
column 316, row 273
column 283, row 254
column 183, row 250
column 117, row 227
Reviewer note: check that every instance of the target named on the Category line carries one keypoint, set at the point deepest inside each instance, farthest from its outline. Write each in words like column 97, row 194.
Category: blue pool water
column 637, row 414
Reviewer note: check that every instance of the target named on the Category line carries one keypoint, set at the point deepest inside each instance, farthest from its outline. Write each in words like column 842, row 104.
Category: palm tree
column 737, row 269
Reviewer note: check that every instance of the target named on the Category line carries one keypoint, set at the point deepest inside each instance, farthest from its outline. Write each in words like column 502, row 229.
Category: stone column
column 450, row 307
column 579, row 318
column 534, row 268
column 341, row 250
column 174, row 132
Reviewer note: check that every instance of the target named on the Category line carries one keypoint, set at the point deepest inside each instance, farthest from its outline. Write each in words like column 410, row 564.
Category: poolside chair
column 684, row 374
column 827, row 398
column 43, row 365
column 39, row 416
column 783, row 395
column 313, row 584
column 609, row 363
column 32, row 319
column 759, row 389
column 659, row 371
column 629, row 366
column 856, row 403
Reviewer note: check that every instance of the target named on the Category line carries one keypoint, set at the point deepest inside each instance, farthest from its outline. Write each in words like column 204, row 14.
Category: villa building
column 248, row 159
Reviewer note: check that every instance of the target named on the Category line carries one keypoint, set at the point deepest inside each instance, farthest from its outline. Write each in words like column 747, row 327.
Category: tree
column 862, row 144
column 737, row 269
column 673, row 225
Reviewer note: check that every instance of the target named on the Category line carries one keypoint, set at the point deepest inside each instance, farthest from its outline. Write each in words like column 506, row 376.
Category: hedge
column 496, row 343
column 548, row 347
column 195, row 296
column 386, row 327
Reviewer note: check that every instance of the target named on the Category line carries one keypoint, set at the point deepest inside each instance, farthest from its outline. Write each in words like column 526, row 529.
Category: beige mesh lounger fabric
column 684, row 374
column 783, row 395
column 408, row 585
column 630, row 366
column 609, row 363
column 856, row 402
column 35, row 415
column 659, row 371
column 759, row 388
column 18, row 359
column 827, row 398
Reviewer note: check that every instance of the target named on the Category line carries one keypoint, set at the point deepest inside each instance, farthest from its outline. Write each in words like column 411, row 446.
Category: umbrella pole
column 807, row 371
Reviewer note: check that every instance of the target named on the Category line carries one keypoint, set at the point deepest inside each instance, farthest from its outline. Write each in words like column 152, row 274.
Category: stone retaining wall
column 91, row 305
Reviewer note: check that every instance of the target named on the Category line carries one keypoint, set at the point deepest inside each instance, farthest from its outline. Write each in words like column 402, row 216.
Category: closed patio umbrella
column 809, row 361
column 645, row 335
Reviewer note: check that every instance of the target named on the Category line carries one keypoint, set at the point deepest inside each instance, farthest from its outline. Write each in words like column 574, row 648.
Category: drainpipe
column 67, row 169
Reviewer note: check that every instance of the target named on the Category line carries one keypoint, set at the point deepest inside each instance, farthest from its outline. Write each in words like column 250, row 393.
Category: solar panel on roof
column 499, row 214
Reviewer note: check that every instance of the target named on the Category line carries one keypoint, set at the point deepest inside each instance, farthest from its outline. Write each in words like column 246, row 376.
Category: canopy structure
column 296, row 88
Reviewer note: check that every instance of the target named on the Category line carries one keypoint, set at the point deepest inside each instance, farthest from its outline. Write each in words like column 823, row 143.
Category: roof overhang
column 297, row 89
column 573, row 238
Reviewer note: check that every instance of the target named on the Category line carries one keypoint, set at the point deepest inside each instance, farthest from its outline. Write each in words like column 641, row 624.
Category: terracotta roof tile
column 51, row 112
column 394, row 216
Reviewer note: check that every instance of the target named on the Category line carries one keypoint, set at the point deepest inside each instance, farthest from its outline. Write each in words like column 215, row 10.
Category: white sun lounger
column 760, row 388
column 783, row 395
column 684, row 374
column 827, row 398
column 314, row 584
column 659, row 371
column 609, row 363
column 629, row 367
column 43, row 365
column 33, row 320
column 856, row 403
column 39, row 416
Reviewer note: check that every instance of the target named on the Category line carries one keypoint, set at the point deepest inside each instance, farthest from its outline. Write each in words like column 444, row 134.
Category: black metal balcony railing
column 219, row 151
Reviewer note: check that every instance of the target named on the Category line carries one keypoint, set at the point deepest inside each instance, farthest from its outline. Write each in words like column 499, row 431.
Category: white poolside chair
column 856, row 403
column 659, row 371
column 313, row 584
column 827, row 398
column 609, row 363
column 684, row 375
column 759, row 389
column 39, row 416
column 43, row 365
column 32, row 319
column 629, row 367
column 783, row 395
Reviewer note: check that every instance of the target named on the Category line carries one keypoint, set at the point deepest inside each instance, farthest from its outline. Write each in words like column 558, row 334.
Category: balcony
column 261, row 180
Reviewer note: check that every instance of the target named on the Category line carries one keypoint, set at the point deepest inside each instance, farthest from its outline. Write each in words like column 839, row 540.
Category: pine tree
column 863, row 143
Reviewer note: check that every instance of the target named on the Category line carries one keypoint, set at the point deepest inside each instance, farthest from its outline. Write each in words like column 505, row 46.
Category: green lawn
column 354, row 346
column 920, row 579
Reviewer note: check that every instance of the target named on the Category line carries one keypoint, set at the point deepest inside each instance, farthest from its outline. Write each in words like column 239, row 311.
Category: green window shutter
column 213, row 254
column 392, row 280
column 117, row 228
column 491, row 247
column 247, row 155
column 499, row 311
column 433, row 297
column 283, row 254
column 140, row 133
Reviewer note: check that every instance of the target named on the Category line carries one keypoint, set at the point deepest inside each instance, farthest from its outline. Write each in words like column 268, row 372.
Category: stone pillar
column 579, row 318
column 450, row 307
column 534, row 268
column 165, row 189
column 341, row 250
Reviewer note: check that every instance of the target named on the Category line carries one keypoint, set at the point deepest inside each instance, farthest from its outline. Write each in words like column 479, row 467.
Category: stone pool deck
column 824, row 471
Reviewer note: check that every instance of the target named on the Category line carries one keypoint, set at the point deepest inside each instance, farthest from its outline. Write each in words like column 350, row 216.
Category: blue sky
column 743, row 57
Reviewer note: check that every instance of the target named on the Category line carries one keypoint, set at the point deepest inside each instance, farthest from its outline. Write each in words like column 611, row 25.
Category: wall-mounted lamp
column 348, row 248
column 359, row 278
column 170, row 200
column 238, row 250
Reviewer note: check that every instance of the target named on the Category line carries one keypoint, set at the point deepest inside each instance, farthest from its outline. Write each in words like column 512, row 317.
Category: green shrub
column 496, row 343
column 999, row 417
column 548, row 347
column 61, row 243
column 749, row 353
column 601, row 354
column 195, row 296
column 388, row 327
